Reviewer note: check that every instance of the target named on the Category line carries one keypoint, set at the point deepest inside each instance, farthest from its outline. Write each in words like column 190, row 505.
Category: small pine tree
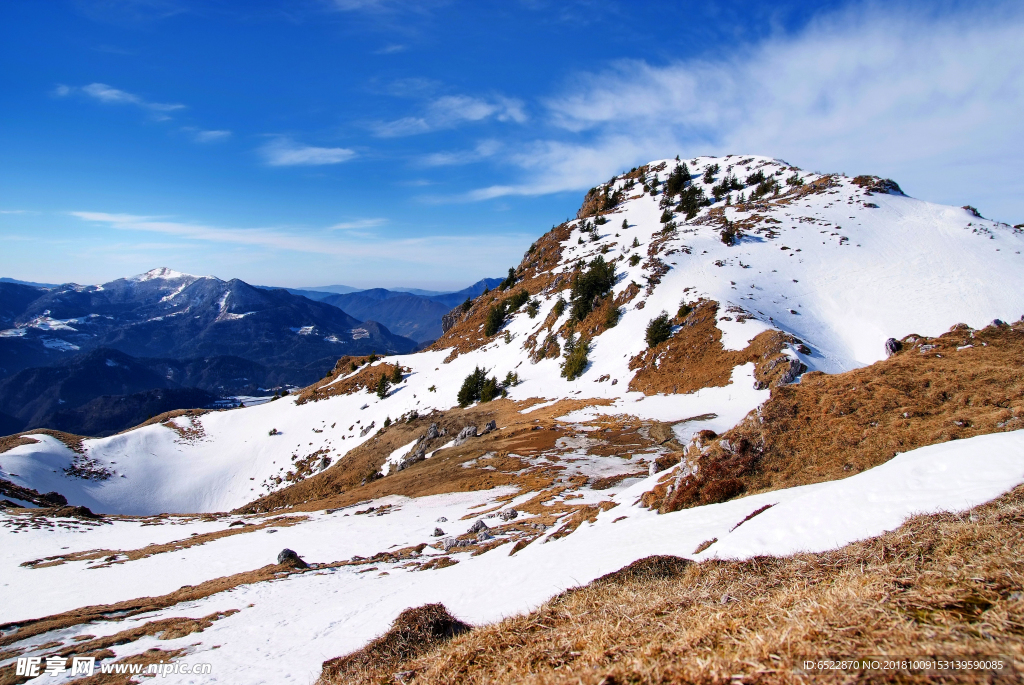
column 387, row 421
column 636, row 243
column 532, row 307
column 382, row 386
column 709, row 173
column 658, row 330
column 634, row 260
column 495, row 318
column 396, row 375
column 684, row 310
column 467, row 305
column 489, row 389
column 625, row 224
column 611, row 319
column 352, row 366
column 575, row 357
column 559, row 307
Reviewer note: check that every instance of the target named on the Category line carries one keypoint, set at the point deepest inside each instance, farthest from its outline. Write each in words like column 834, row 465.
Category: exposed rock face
column 432, row 432
column 465, row 434
column 892, row 346
column 449, row 320
column 289, row 557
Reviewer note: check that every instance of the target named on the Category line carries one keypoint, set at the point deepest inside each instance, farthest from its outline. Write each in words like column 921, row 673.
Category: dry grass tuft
column 943, row 585
column 961, row 384
column 413, row 633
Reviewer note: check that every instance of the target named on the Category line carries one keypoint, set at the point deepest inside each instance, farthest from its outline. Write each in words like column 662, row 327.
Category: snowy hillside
column 839, row 268
column 784, row 272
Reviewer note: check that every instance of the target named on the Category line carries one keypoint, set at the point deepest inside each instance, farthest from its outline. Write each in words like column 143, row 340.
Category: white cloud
column 423, row 250
column 210, row 136
column 113, row 96
column 390, row 49
column 285, row 152
column 482, row 150
column 931, row 100
column 357, row 224
column 451, row 110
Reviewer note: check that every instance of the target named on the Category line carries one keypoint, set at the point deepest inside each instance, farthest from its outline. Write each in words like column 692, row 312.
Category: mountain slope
column 704, row 433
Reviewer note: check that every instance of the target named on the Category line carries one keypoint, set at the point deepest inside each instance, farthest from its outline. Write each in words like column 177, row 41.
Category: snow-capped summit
column 162, row 273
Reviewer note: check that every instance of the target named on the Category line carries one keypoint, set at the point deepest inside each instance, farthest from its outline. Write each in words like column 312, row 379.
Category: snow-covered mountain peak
column 162, row 273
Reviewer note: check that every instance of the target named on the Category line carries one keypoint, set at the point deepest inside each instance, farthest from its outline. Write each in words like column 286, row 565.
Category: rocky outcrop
column 453, row 317
column 464, row 435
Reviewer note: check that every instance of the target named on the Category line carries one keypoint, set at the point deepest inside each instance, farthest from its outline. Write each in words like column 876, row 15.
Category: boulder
column 491, row 425
column 508, row 514
column 478, row 526
column 892, row 346
column 438, row 533
column 465, row 434
column 432, row 433
column 290, row 558
column 442, row 520
column 483, row 535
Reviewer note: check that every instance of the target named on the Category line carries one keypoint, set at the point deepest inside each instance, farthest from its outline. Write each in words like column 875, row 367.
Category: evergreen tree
column 467, row 304
column 396, row 375
column 382, row 386
column 625, row 224
column 658, row 330
column 495, row 318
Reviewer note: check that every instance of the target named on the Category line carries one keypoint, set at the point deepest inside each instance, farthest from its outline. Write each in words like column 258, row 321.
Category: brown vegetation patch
column 532, row 275
column 944, row 584
column 71, row 441
column 356, row 478
column 116, row 556
column 413, row 633
column 344, row 381
column 694, row 358
column 833, row 426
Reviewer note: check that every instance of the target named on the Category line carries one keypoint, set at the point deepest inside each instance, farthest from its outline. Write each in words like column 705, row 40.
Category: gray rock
column 366, row 430
column 508, row 514
column 324, row 463
column 438, row 533
column 998, row 322
column 453, row 317
column 465, row 434
column 431, row 432
column 491, row 425
column 652, row 468
column 892, row 346
column 287, row 556
column 796, row 367
column 452, row 543
column 478, row 526
column 483, row 535
column 442, row 520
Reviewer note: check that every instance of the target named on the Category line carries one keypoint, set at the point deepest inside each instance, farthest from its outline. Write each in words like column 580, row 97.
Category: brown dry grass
column 830, row 427
column 73, row 442
column 123, row 556
column 353, row 479
column 414, row 632
column 366, row 378
column 694, row 357
column 943, row 585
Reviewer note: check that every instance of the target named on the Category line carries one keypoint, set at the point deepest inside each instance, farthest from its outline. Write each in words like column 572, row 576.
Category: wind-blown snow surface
column 840, row 275
column 285, row 628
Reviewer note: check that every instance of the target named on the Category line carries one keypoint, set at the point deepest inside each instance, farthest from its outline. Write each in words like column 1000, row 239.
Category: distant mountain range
column 100, row 358
column 411, row 312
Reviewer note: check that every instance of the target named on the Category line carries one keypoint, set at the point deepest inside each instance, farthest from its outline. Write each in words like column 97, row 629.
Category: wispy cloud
column 114, row 96
column 390, row 49
column 482, row 150
column 423, row 250
column 358, row 224
column 286, row 152
column 452, row 110
column 869, row 90
column 211, row 136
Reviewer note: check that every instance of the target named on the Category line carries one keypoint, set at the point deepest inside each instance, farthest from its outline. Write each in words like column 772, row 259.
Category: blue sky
column 426, row 144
